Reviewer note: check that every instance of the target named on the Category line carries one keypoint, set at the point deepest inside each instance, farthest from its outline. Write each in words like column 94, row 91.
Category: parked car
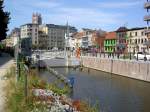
column 142, row 56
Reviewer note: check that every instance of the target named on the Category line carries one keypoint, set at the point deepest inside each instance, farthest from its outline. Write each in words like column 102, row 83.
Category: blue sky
column 105, row 14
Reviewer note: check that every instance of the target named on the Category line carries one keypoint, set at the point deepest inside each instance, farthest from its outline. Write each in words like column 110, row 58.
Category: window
column 142, row 41
column 130, row 34
column 138, row 41
column 145, row 40
column 135, row 41
column 130, row 41
column 135, row 33
column 142, row 33
column 35, row 30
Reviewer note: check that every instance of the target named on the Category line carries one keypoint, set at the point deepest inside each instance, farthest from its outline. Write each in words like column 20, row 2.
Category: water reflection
column 114, row 93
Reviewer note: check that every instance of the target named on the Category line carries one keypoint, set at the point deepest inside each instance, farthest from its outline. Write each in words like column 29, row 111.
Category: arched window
column 141, row 41
column 135, row 41
column 145, row 40
column 138, row 41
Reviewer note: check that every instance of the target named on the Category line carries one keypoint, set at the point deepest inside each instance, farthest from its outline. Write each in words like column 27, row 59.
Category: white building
column 14, row 36
column 136, row 40
column 30, row 31
column 84, row 38
column 70, row 41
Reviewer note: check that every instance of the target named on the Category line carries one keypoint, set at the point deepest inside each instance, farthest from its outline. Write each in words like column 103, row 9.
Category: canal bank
column 129, row 68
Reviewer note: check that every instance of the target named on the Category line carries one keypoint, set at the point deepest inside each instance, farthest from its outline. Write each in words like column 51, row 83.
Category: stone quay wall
column 129, row 68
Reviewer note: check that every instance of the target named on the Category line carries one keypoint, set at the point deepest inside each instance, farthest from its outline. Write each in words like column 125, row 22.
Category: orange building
column 98, row 40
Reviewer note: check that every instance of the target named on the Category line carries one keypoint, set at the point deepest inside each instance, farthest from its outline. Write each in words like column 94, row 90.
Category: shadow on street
column 4, row 58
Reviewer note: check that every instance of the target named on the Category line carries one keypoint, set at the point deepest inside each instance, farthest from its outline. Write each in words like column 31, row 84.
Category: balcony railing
column 147, row 18
column 147, row 5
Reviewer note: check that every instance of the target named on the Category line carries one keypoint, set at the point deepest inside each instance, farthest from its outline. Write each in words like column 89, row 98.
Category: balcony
column 147, row 5
column 147, row 18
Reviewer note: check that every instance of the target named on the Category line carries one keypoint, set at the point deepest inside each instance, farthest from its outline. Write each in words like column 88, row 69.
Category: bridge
column 56, row 58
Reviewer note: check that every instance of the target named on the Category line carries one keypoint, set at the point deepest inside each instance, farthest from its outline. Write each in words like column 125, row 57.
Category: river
column 112, row 92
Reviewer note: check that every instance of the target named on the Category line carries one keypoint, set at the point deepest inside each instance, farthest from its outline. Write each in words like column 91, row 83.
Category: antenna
column 126, row 24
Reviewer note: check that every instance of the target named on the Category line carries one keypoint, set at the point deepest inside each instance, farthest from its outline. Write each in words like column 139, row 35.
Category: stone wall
column 133, row 69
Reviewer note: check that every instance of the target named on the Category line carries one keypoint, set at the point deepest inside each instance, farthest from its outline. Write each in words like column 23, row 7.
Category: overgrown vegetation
column 17, row 102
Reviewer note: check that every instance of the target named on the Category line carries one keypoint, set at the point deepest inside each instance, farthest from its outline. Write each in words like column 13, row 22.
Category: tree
column 4, row 20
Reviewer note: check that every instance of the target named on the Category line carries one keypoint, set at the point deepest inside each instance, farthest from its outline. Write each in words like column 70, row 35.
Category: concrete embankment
column 134, row 69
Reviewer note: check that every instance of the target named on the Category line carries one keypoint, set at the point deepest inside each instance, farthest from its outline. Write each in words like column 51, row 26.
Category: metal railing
column 124, row 56
column 147, row 5
column 147, row 18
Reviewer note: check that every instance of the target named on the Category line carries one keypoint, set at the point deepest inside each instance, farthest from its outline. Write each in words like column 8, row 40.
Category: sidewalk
column 5, row 63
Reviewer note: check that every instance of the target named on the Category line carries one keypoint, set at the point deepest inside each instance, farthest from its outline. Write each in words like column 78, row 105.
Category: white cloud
column 57, row 12
column 45, row 4
column 119, row 4
column 84, row 16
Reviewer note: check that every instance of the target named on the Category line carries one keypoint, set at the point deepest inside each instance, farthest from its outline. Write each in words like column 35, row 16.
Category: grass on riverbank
column 16, row 100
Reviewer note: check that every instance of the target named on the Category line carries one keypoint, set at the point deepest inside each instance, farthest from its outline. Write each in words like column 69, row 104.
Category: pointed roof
column 122, row 29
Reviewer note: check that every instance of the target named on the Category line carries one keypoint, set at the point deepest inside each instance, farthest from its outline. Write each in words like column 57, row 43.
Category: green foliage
column 4, row 20
column 86, row 107
column 57, row 90
column 1, row 46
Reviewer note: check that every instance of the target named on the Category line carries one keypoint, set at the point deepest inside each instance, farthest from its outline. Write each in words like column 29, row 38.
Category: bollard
column 145, row 59
column 118, row 55
column 123, row 55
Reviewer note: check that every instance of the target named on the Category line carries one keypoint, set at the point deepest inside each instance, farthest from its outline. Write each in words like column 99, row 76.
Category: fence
column 125, row 56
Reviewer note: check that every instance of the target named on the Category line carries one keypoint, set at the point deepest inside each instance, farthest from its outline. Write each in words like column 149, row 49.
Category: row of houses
column 48, row 36
column 39, row 36
column 122, row 40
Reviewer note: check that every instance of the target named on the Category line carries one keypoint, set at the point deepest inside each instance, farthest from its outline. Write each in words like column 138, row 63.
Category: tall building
column 30, row 31
column 36, row 18
column 56, row 35
column 29, row 37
